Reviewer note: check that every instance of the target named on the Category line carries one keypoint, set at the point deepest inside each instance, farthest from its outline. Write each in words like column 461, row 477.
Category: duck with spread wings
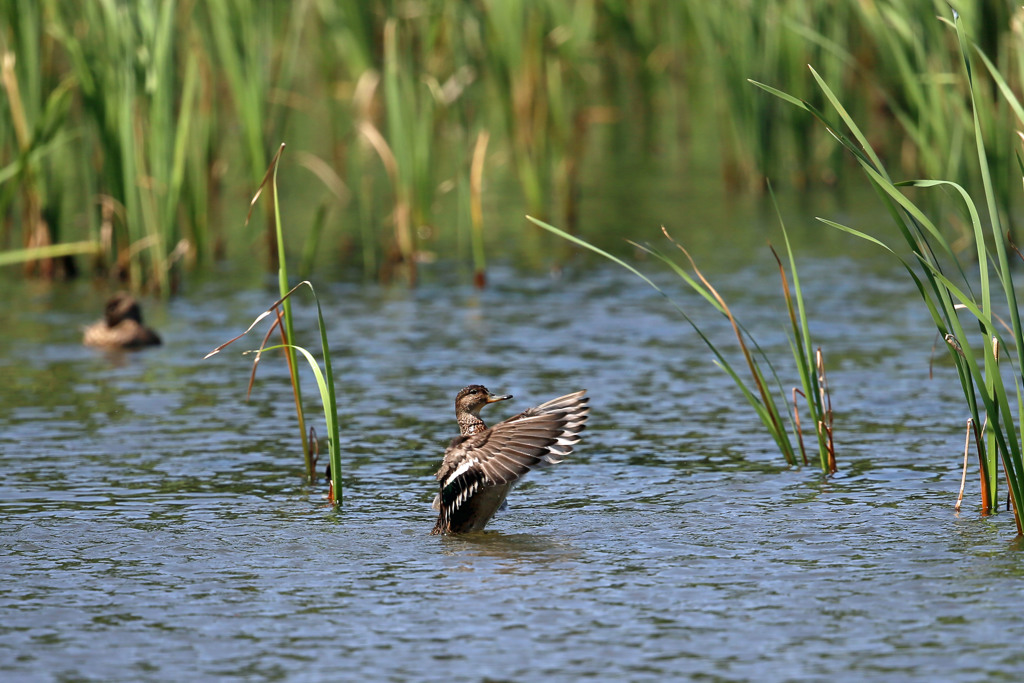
column 482, row 463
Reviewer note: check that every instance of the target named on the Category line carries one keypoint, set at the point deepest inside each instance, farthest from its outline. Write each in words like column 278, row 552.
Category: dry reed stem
column 985, row 509
column 380, row 145
column 257, row 321
column 963, row 475
column 327, row 175
column 259, row 354
column 792, row 318
column 476, row 176
column 785, row 288
column 314, row 447
column 796, row 419
column 1009, row 235
column 1011, row 498
column 826, row 401
column 402, row 211
column 293, row 372
column 476, row 212
column 263, row 183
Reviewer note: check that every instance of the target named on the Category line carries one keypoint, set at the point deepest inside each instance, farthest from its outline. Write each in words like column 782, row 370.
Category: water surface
column 156, row 526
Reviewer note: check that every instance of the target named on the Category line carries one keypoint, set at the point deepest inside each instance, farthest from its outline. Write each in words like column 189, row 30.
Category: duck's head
column 122, row 307
column 474, row 397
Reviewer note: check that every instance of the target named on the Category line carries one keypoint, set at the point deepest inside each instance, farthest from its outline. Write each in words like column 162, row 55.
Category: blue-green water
column 155, row 525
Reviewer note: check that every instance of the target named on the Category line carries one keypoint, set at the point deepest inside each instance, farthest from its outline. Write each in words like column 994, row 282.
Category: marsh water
column 156, row 526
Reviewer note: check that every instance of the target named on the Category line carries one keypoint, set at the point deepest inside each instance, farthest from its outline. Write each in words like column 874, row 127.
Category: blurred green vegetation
column 126, row 127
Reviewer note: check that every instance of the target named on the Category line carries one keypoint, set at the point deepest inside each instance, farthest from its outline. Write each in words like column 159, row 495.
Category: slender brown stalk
column 476, row 212
column 1013, row 498
column 402, row 213
column 785, row 288
column 963, row 475
column 826, row 401
column 314, row 447
column 985, row 508
column 796, row 422
column 293, row 372
column 259, row 355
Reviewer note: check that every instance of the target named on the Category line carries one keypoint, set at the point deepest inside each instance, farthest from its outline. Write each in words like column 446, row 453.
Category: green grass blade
column 50, row 251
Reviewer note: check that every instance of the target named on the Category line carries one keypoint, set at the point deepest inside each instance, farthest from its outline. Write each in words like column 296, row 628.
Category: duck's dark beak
column 491, row 398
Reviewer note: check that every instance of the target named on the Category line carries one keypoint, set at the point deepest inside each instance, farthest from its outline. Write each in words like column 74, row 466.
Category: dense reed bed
column 971, row 297
column 125, row 125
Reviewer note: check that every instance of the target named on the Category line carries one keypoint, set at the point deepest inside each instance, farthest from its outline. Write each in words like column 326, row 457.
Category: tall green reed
column 981, row 345
column 537, row 57
column 281, row 309
column 324, row 377
column 32, row 183
column 242, row 34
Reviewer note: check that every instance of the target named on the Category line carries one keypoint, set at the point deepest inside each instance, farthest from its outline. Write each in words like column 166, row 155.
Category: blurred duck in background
column 121, row 327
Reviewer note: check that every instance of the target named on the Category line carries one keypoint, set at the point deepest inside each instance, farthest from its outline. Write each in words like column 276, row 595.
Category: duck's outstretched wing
column 502, row 454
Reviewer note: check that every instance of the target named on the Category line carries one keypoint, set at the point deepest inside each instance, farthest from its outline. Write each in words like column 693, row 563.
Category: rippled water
column 156, row 526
